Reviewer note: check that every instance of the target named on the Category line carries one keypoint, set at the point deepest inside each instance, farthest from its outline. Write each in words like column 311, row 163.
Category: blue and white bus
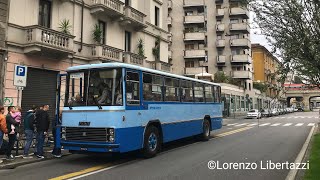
column 117, row 107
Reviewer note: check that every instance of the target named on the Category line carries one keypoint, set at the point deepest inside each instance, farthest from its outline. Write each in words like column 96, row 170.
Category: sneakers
column 10, row 158
column 26, row 157
column 57, row 156
column 40, row 156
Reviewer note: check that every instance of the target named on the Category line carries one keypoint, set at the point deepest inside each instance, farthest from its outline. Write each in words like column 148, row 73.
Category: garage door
column 40, row 90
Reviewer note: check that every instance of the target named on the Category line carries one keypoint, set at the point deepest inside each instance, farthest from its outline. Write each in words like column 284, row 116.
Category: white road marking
column 311, row 124
column 265, row 124
column 288, row 124
column 232, row 124
column 299, row 124
column 254, row 124
column 241, row 124
column 276, row 124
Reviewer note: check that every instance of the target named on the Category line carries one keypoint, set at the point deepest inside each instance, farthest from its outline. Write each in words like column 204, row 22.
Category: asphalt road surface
column 276, row 139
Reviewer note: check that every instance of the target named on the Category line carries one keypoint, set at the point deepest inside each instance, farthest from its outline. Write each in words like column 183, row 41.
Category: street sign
column 20, row 76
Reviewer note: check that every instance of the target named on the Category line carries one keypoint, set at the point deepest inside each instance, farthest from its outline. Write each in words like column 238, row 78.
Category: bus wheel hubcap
column 152, row 142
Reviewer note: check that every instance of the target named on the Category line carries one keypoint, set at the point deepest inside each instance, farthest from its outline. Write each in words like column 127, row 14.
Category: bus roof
column 123, row 65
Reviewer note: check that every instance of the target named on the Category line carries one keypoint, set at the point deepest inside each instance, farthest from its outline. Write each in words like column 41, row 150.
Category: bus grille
column 86, row 134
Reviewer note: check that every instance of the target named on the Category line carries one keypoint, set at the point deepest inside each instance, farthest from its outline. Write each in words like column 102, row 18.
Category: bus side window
column 214, row 92
column 186, row 91
column 198, row 92
column 219, row 94
column 208, row 93
column 171, row 90
column 152, row 87
column 133, row 93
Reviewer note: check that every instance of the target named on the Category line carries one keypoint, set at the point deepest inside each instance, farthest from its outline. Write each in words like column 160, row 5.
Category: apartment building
column 49, row 36
column 210, row 36
column 3, row 49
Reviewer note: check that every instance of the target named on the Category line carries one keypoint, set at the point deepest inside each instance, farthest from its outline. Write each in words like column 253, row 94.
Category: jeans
column 40, row 142
column 12, row 140
column 1, row 138
column 29, row 138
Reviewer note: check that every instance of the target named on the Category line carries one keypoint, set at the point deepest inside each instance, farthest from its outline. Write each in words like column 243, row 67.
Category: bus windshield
column 95, row 87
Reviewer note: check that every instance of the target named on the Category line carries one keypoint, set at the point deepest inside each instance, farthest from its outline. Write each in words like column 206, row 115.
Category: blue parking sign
column 20, row 76
column 21, row 70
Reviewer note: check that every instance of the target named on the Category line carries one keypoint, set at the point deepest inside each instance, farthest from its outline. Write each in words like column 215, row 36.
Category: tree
column 292, row 28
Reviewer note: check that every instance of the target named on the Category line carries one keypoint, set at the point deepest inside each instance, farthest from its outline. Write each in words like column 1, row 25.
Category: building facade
column 3, row 48
column 49, row 36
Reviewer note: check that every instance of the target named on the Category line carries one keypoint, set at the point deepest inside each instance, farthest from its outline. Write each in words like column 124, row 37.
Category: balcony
column 239, row 11
column 194, row 70
column 241, row 58
column 106, row 53
column 241, row 75
column 194, row 19
column 221, row 60
column 169, row 4
column 132, row 58
column 240, row 27
column 220, row 28
column 220, row 13
column 110, row 8
column 161, row 66
column 243, row 42
column 221, row 43
column 133, row 19
column 169, row 21
column 41, row 41
column 193, row 3
column 195, row 54
column 194, row 36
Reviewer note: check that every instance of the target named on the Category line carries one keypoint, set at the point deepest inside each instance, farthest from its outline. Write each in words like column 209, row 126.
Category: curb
column 293, row 172
column 14, row 165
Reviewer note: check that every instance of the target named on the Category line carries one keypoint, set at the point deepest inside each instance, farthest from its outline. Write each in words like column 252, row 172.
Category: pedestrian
column 28, row 122
column 16, row 115
column 12, row 137
column 42, row 124
column 56, row 152
column 3, row 126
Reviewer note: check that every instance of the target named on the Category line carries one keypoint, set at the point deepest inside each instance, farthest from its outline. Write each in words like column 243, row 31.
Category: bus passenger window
column 198, row 92
column 172, row 89
column 186, row 91
column 208, row 93
column 215, row 93
column 152, row 87
column 133, row 93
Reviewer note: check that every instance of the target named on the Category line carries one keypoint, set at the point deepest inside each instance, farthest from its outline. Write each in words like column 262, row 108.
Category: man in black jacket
column 12, row 137
column 42, row 122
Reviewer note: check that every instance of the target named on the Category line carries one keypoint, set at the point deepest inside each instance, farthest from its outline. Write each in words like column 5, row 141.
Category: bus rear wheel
column 205, row 136
column 152, row 142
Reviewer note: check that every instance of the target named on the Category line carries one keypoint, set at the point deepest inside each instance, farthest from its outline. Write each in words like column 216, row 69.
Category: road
column 277, row 139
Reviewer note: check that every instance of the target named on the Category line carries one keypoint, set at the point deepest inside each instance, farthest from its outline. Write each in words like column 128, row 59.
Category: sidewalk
column 19, row 161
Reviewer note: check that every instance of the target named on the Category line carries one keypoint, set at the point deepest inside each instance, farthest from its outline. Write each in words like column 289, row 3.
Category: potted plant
column 140, row 47
column 97, row 33
column 65, row 26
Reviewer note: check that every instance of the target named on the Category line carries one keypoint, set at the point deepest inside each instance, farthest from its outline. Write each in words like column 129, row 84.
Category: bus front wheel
column 205, row 136
column 151, row 142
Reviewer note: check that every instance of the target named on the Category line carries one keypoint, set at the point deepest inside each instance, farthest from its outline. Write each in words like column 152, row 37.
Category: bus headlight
column 63, row 136
column 111, row 131
column 110, row 135
column 63, row 133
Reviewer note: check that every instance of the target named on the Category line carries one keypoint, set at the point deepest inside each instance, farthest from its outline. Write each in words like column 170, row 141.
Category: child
column 16, row 115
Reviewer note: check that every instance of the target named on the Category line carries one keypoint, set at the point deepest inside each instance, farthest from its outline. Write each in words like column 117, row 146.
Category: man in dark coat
column 42, row 122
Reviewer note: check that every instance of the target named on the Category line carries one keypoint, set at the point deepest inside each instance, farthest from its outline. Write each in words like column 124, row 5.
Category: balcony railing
column 194, row 19
column 240, row 11
column 242, row 42
column 195, row 70
column 106, row 53
column 241, row 58
column 221, row 43
column 220, row 27
column 221, row 59
column 195, row 53
column 193, row 3
column 243, row 27
column 132, row 58
column 110, row 8
column 194, row 36
column 242, row 75
column 169, row 21
column 134, row 18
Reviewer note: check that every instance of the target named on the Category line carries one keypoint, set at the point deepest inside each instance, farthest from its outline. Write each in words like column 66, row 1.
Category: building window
column 218, row 6
column 220, row 68
column 102, row 26
column 127, row 3
column 127, row 42
column 45, row 13
column 189, row 64
column 156, row 16
column 234, row 20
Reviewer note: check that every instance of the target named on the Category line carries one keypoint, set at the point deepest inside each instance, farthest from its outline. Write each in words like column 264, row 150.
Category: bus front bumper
column 90, row 147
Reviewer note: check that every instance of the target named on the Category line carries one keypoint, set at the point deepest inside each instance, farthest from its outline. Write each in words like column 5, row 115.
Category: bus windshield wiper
column 96, row 102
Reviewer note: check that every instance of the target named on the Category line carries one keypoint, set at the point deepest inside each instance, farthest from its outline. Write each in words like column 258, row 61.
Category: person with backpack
column 28, row 122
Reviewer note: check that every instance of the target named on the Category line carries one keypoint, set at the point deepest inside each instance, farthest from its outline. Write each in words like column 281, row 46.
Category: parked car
column 300, row 109
column 280, row 111
column 295, row 109
column 254, row 113
column 266, row 113
column 274, row 112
